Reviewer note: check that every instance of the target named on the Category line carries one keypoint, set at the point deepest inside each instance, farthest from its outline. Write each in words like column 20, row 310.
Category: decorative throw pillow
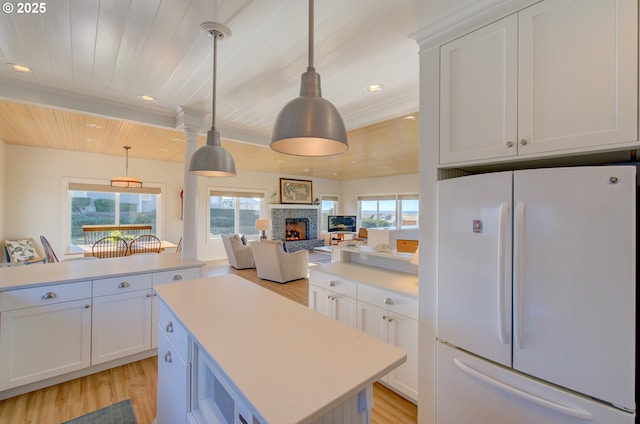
column 243, row 239
column 21, row 250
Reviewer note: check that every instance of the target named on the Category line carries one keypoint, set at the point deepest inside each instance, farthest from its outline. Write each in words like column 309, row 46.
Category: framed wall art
column 295, row 191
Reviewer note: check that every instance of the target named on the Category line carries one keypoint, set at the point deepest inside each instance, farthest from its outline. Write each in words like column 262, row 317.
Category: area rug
column 118, row 413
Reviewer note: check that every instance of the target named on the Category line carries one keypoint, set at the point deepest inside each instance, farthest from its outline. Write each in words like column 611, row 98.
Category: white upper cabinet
column 558, row 77
column 478, row 94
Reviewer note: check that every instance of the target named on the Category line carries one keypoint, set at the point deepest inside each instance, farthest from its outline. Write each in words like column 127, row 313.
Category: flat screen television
column 341, row 223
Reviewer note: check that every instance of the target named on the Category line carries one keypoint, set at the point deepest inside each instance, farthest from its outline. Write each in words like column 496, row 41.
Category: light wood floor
column 137, row 381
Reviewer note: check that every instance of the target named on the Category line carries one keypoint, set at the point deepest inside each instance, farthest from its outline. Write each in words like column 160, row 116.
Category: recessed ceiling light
column 375, row 88
column 148, row 99
column 164, row 150
column 410, row 118
column 19, row 68
column 92, row 140
column 177, row 139
column 91, row 125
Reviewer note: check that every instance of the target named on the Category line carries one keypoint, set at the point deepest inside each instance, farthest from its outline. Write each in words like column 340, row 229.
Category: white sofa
column 240, row 255
column 274, row 264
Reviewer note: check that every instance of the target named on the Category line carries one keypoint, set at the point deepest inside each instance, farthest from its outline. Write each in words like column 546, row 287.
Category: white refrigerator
column 536, row 297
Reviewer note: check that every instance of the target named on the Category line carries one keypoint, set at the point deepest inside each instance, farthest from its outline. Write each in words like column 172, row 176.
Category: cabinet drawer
column 174, row 275
column 122, row 284
column 333, row 283
column 174, row 330
column 44, row 295
column 392, row 301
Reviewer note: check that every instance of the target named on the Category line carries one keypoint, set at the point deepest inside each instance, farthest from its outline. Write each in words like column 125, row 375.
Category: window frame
column 236, row 193
column 398, row 211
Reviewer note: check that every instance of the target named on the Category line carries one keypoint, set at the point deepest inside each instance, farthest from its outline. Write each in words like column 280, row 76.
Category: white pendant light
column 126, row 181
column 309, row 125
column 213, row 160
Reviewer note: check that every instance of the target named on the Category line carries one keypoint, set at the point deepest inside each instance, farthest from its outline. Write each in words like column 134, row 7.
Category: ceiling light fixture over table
column 126, row 181
column 213, row 160
column 309, row 125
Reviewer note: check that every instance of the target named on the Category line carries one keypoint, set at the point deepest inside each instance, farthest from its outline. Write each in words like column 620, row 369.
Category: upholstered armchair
column 239, row 254
column 274, row 264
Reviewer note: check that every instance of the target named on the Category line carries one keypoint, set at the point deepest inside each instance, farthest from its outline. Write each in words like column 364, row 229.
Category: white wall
column 34, row 200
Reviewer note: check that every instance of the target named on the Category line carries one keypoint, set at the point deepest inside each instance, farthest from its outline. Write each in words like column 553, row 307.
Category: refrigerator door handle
column 502, row 319
column 545, row 403
column 518, row 296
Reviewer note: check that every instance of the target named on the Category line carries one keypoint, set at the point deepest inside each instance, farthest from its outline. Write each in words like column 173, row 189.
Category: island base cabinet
column 332, row 304
column 173, row 383
column 44, row 341
column 121, row 325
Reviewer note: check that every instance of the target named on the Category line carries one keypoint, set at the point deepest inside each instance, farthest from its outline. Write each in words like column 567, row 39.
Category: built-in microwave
column 214, row 400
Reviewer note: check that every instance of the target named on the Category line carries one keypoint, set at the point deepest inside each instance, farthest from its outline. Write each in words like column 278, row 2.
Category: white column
column 191, row 122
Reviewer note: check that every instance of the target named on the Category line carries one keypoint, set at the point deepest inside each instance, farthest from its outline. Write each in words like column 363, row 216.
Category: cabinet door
column 44, row 341
column 372, row 320
column 478, row 94
column 121, row 325
column 320, row 300
column 577, row 74
column 173, row 383
column 403, row 333
column 344, row 309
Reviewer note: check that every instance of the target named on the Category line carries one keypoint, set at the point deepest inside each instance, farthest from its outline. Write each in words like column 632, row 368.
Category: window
column 388, row 211
column 234, row 212
column 94, row 204
column 329, row 206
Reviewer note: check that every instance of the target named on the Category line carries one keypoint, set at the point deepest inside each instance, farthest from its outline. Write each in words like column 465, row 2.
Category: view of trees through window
column 109, row 208
column 233, row 215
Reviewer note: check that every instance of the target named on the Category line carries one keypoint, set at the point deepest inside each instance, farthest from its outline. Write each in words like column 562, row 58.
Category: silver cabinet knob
column 508, row 144
column 49, row 295
column 523, row 142
column 169, row 327
column 177, row 277
column 87, row 306
column 384, row 317
column 332, row 283
column 123, row 285
column 388, row 301
column 167, row 357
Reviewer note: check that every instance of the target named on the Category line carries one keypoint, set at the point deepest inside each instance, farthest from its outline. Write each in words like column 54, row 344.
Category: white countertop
column 18, row 277
column 400, row 282
column 290, row 362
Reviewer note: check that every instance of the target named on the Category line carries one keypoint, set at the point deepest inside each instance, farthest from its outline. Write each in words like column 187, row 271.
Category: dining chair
column 110, row 247
column 48, row 250
column 145, row 243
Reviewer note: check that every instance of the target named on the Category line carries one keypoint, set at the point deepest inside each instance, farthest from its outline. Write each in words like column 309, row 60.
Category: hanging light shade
column 309, row 125
column 213, row 160
column 126, row 181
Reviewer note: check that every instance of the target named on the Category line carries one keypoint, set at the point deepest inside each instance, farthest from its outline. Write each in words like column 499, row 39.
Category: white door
column 320, row 300
column 471, row 390
column 574, row 279
column 403, row 333
column 478, row 94
column 173, row 383
column 474, row 264
column 44, row 341
column 578, row 78
column 121, row 325
column 343, row 309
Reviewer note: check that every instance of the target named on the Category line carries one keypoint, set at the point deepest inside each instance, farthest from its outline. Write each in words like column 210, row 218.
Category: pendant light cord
column 311, row 67
column 213, row 93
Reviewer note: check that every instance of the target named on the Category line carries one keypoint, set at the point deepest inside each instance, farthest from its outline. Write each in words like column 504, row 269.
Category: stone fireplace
column 296, row 226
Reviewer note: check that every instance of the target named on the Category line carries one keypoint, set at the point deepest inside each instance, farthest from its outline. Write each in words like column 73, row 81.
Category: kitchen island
column 239, row 349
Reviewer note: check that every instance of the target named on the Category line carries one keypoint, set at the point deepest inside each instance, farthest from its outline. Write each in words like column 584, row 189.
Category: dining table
column 87, row 249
